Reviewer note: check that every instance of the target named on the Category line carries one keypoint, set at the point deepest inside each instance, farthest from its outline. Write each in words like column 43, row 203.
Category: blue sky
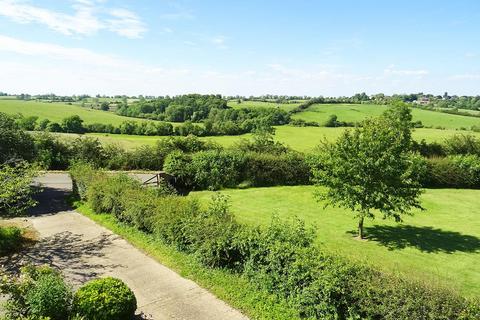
column 239, row 47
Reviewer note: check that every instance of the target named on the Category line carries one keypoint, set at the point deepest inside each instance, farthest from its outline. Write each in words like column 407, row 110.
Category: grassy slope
column 57, row 111
column 441, row 244
column 299, row 138
column 358, row 112
column 245, row 104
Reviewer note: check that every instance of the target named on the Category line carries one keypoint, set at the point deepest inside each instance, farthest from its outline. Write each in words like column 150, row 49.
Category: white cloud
column 392, row 70
column 8, row 44
column 219, row 42
column 467, row 76
column 37, row 67
column 89, row 17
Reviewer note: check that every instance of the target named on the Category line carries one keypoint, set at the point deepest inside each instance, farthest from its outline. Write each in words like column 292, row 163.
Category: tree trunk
column 360, row 227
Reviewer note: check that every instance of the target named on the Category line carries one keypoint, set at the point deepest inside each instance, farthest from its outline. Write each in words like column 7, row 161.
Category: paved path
column 84, row 250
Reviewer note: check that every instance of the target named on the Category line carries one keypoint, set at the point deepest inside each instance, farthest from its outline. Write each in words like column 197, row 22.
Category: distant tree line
column 219, row 122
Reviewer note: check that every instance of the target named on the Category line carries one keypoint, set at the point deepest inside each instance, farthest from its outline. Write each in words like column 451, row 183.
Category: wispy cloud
column 89, row 17
column 219, row 42
column 9, row 44
column 467, row 76
column 180, row 15
column 392, row 70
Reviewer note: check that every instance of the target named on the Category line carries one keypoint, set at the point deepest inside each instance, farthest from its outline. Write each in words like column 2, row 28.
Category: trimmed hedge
column 283, row 260
column 453, row 172
column 105, row 299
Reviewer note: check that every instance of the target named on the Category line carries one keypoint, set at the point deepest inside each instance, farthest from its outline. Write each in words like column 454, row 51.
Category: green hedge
column 453, row 172
column 283, row 260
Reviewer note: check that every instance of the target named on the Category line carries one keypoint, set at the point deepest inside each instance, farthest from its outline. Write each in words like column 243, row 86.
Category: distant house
column 423, row 100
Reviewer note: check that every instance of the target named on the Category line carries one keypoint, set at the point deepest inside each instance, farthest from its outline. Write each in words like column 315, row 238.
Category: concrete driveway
column 83, row 250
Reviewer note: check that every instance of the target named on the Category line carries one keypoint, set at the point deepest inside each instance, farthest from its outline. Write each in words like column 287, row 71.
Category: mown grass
column 298, row 138
column 357, row 112
column 440, row 244
column 229, row 287
column 57, row 111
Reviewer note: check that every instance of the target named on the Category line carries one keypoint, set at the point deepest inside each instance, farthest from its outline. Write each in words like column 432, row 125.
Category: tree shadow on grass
column 425, row 239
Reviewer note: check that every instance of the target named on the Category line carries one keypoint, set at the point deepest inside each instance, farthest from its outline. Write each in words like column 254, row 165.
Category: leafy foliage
column 105, row 299
column 372, row 168
column 37, row 293
column 16, row 188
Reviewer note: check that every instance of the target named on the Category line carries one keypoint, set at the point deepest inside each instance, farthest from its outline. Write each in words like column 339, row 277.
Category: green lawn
column 357, row 112
column 248, row 104
column 299, row 138
column 440, row 244
column 57, row 111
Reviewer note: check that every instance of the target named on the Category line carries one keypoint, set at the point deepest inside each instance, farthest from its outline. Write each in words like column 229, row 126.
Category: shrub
column 10, row 239
column 50, row 297
column 14, row 142
column 88, row 149
column 51, row 153
column 37, row 293
column 172, row 217
column 216, row 169
column 105, row 192
column 282, row 169
column 16, row 188
column 82, row 175
column 462, row 144
column 105, row 299
column 212, row 233
column 453, row 172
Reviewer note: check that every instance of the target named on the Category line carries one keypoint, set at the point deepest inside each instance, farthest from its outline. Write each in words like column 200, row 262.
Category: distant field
column 253, row 104
column 57, row 111
column 357, row 112
column 298, row 138
column 433, row 245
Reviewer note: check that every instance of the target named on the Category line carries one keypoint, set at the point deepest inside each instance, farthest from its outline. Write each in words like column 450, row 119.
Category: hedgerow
column 284, row 260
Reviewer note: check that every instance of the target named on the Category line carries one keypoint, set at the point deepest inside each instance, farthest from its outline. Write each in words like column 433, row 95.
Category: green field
column 298, row 138
column 253, row 104
column 440, row 244
column 57, row 111
column 357, row 112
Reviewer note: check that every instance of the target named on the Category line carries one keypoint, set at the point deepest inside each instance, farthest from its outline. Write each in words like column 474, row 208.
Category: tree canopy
column 372, row 168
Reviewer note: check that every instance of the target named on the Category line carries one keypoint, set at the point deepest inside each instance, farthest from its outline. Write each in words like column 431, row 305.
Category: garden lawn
column 357, row 112
column 439, row 245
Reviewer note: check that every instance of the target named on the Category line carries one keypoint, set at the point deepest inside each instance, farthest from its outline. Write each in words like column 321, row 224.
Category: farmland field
column 433, row 245
column 253, row 104
column 298, row 138
column 357, row 112
column 57, row 111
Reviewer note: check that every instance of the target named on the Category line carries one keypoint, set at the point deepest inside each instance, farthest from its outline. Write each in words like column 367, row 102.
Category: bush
column 50, row 297
column 82, row 175
column 453, row 172
column 216, row 169
column 15, row 144
column 462, row 144
column 262, row 170
column 16, row 188
column 51, row 153
column 105, row 299
column 212, row 235
column 10, row 239
column 105, row 192
column 37, row 293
